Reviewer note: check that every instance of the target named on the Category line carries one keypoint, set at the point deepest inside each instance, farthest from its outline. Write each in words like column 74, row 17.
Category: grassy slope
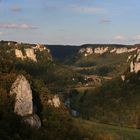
column 108, row 132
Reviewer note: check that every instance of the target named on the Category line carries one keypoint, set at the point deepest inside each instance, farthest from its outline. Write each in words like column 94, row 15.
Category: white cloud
column 17, row 26
column 120, row 38
column 86, row 9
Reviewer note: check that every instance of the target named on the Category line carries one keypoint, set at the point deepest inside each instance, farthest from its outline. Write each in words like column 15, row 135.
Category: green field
column 100, row 131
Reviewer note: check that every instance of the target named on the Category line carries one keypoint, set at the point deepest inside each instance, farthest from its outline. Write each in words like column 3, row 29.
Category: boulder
column 23, row 101
column 33, row 121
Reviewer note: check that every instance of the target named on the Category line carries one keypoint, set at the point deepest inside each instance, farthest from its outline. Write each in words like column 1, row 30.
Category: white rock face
column 138, row 58
column 23, row 102
column 41, row 47
column 100, row 50
column 132, row 49
column 19, row 54
column 55, row 101
column 121, row 50
column 123, row 77
column 89, row 51
column 131, row 67
column 113, row 50
column 9, row 43
column 30, row 54
column 82, row 50
column 86, row 51
column 129, row 57
column 135, row 67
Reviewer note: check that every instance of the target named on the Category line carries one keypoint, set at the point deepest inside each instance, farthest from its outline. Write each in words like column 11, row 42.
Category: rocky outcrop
column 30, row 54
column 123, row 77
column 113, row 50
column 24, row 101
column 41, row 48
column 86, row 51
column 138, row 57
column 55, row 101
column 122, row 50
column 135, row 67
column 100, row 50
column 129, row 57
column 19, row 54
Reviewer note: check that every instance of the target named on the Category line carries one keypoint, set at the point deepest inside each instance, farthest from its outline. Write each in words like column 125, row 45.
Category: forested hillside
column 81, row 93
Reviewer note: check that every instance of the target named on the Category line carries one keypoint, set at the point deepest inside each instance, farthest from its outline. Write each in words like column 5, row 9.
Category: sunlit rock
column 55, row 101
column 23, row 100
column 86, row 51
column 19, row 54
column 89, row 51
column 123, row 77
column 138, row 58
column 132, row 49
column 135, row 67
column 132, row 67
column 113, row 50
column 100, row 50
column 31, row 54
column 129, row 57
column 121, row 50
column 82, row 50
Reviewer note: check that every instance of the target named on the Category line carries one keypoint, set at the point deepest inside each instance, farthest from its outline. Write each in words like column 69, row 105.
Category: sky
column 72, row 22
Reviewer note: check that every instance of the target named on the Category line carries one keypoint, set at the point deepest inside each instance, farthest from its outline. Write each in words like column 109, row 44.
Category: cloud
column 137, row 38
column 86, row 9
column 15, row 9
column 105, row 21
column 119, row 38
column 1, row 33
column 17, row 26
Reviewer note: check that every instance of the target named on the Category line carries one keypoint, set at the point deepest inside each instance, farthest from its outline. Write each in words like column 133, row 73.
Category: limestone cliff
column 31, row 52
column 135, row 64
column 101, row 50
column 19, row 54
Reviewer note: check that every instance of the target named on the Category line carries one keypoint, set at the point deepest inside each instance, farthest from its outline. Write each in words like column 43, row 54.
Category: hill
column 98, row 83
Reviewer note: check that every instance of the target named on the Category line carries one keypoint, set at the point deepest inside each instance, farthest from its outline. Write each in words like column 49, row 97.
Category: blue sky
column 70, row 21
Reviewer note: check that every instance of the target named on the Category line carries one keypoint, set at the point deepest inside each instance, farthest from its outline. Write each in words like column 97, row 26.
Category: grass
column 100, row 131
